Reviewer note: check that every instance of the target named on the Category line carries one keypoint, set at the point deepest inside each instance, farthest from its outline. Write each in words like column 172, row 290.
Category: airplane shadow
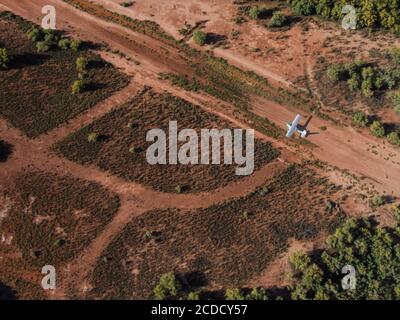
column 304, row 127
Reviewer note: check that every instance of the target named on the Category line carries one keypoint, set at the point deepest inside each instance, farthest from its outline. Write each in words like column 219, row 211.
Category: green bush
column 377, row 200
column 178, row 189
column 354, row 82
column 64, row 43
column 238, row 294
column 394, row 138
column 81, row 64
column 303, row 7
column 93, row 137
column 396, row 212
column 278, row 20
column 78, row 86
column 75, row 45
column 360, row 119
column 4, row 59
column 367, row 88
column 35, row 34
column 199, row 37
column 167, row 287
column 335, row 72
column 378, row 129
column 50, row 38
column 395, row 55
column 256, row 12
column 395, row 97
column 42, row 46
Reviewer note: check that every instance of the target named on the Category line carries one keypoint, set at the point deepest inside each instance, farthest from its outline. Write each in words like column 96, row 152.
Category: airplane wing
column 293, row 127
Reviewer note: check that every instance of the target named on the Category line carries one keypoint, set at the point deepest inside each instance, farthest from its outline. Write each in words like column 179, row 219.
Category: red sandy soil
column 340, row 146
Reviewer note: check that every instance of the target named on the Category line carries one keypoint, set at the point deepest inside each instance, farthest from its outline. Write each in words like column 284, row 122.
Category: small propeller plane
column 295, row 127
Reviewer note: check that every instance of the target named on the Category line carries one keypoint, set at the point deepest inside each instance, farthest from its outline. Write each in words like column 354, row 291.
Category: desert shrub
column 75, row 44
column 34, row 34
column 378, row 129
column 395, row 97
column 277, row 20
column 373, row 252
column 367, row 88
column 81, row 64
column 193, row 296
column 335, row 72
column 377, row 200
column 64, row 43
column 78, row 86
column 354, row 82
column 394, row 138
column 4, row 59
column 178, row 189
column 42, row 46
column 93, row 137
column 199, row 37
column 394, row 54
column 168, row 287
column 303, row 7
column 396, row 212
column 360, row 119
column 50, row 37
column 234, row 294
column 239, row 294
column 256, row 12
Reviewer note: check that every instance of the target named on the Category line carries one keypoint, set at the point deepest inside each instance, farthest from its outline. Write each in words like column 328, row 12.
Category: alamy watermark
column 199, row 150
column 49, row 20
column 349, row 21
column 49, row 280
column 349, row 281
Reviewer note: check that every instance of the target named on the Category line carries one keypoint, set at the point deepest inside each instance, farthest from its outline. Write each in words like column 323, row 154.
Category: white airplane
column 294, row 127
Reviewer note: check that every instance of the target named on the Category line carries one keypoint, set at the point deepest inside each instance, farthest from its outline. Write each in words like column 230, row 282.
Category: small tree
column 193, row 296
column 354, row 82
column 42, row 46
column 278, row 20
column 377, row 200
column 93, row 137
column 335, row 72
column 64, row 43
column 50, row 37
column 178, row 189
column 199, row 37
column 234, row 294
column 367, row 88
column 167, row 287
column 75, row 45
column 360, row 119
column 394, row 138
column 78, row 86
column 254, row 12
column 34, row 34
column 395, row 97
column 378, row 129
column 4, row 59
column 81, row 64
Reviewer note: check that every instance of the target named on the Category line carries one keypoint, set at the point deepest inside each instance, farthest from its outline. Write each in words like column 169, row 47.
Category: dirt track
column 343, row 147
